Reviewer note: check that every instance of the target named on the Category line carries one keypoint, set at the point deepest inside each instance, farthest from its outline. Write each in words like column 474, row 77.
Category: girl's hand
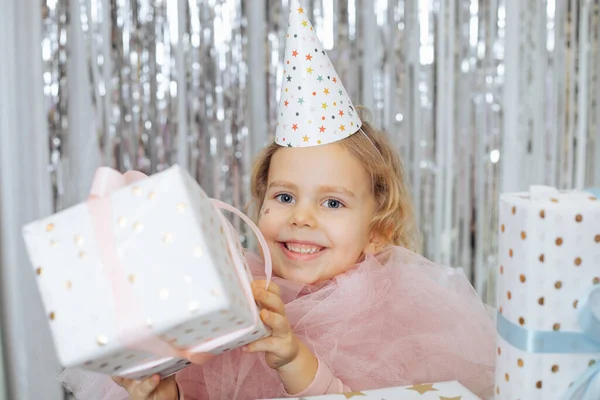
column 152, row 388
column 282, row 347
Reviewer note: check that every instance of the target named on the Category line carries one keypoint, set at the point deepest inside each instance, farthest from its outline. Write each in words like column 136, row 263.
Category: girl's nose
column 303, row 217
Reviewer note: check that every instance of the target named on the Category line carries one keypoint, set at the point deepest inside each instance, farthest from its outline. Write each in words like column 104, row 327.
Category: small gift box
column 140, row 275
column 435, row 391
column 549, row 262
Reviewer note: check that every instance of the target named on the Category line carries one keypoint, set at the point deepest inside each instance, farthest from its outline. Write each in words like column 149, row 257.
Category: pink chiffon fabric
column 393, row 319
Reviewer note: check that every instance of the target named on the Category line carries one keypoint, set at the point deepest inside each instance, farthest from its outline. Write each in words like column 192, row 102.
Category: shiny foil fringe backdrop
column 478, row 96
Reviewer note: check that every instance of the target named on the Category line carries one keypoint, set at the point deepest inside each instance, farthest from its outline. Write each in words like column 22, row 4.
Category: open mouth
column 302, row 249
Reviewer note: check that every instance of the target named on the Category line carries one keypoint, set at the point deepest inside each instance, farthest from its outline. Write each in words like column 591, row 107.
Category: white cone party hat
column 314, row 108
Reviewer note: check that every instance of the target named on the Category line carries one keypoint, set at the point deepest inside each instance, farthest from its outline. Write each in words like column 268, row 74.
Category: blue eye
column 332, row 203
column 285, row 198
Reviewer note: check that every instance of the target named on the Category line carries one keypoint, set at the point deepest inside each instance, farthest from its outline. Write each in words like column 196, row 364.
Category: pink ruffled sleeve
column 324, row 383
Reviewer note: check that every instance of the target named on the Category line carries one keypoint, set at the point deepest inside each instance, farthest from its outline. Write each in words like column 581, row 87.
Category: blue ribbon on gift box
column 587, row 386
column 545, row 341
column 594, row 191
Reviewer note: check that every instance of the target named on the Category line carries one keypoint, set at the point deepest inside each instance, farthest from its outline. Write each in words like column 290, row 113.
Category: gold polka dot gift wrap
column 451, row 390
column 173, row 263
column 548, row 260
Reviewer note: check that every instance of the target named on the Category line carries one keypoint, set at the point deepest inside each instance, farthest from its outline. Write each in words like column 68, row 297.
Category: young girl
column 351, row 306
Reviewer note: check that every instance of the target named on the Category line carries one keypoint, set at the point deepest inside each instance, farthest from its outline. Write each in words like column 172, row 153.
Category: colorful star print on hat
column 314, row 108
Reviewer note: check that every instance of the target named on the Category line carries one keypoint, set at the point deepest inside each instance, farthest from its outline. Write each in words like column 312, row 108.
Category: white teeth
column 302, row 248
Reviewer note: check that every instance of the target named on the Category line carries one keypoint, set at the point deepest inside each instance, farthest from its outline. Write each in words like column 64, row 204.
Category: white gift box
column 175, row 278
column 549, row 259
column 435, row 391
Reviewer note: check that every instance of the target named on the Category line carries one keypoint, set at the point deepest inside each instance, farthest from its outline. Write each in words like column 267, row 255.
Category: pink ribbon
column 232, row 240
column 132, row 332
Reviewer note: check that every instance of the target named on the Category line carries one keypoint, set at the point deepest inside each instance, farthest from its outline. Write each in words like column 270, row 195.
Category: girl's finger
column 279, row 324
column 269, row 300
column 273, row 288
column 127, row 384
column 119, row 381
column 267, row 345
column 145, row 389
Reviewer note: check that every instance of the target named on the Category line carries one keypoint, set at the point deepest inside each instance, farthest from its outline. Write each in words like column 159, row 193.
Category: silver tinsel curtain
column 479, row 96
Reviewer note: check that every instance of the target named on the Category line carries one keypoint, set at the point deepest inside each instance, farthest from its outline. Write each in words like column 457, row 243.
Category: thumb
column 145, row 388
column 127, row 384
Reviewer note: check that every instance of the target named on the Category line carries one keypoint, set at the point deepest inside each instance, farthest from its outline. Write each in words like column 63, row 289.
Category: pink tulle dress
column 393, row 319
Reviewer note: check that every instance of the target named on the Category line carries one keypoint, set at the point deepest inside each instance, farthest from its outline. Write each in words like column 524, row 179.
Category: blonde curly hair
column 394, row 218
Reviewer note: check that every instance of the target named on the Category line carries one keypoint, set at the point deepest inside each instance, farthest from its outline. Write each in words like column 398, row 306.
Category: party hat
column 314, row 108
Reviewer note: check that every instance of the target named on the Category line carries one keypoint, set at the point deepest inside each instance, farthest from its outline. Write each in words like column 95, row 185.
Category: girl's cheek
column 272, row 205
column 268, row 207
column 265, row 211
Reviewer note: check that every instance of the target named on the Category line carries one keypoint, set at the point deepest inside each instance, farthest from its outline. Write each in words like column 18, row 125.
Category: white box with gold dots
column 173, row 261
column 452, row 390
column 549, row 259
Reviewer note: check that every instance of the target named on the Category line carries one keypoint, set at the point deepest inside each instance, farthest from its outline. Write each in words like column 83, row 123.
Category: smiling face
column 317, row 212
